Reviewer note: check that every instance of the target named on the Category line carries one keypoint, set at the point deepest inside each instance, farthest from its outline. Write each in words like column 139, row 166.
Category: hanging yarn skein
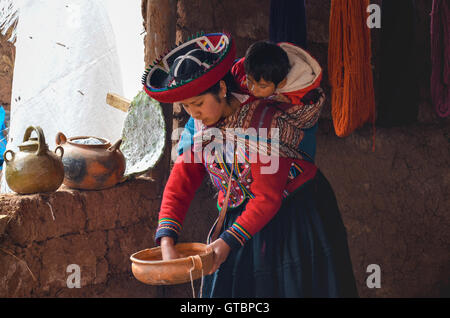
column 349, row 66
column 440, row 57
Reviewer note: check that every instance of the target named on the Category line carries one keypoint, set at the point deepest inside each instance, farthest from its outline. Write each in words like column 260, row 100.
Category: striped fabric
column 239, row 233
column 295, row 171
column 170, row 224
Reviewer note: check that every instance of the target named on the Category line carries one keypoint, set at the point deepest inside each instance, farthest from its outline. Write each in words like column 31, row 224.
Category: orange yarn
column 349, row 67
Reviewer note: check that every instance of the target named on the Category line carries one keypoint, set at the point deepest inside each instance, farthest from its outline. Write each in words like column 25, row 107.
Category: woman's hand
column 168, row 248
column 221, row 251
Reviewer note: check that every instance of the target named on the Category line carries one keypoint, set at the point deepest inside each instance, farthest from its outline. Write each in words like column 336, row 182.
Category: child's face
column 261, row 88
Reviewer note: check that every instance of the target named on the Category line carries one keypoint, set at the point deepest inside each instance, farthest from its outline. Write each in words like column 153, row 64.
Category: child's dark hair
column 266, row 60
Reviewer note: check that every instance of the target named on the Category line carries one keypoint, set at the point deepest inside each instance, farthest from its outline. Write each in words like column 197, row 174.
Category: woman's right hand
column 168, row 248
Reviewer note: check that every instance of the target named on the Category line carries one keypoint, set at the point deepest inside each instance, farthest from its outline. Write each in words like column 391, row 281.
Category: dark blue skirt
column 301, row 252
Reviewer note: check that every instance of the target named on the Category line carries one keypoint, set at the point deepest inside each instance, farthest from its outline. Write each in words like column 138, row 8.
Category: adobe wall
column 96, row 230
column 7, row 55
column 42, row 234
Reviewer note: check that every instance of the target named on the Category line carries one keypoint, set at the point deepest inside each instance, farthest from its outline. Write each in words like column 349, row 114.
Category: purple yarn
column 440, row 57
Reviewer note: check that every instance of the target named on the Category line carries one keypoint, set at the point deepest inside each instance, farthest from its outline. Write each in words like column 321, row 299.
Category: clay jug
column 34, row 168
column 91, row 166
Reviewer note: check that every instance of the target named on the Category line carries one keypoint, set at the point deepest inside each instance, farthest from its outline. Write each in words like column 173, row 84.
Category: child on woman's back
column 284, row 72
column 270, row 69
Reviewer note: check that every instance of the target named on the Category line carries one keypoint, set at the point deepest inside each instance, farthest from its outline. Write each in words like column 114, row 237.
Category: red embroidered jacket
column 265, row 193
column 251, row 181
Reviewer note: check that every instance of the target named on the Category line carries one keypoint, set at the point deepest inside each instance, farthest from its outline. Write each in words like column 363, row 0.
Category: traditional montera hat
column 190, row 68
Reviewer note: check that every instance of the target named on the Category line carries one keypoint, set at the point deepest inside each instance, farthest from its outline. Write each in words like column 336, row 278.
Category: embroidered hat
column 190, row 68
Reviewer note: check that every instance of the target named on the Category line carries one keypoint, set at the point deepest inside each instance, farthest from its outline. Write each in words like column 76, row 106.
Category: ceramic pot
column 34, row 168
column 91, row 166
column 195, row 259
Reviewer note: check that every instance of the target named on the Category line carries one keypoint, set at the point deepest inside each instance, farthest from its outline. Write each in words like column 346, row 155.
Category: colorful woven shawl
column 244, row 126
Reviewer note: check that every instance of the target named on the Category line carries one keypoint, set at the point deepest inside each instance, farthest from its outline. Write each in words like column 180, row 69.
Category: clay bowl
column 149, row 268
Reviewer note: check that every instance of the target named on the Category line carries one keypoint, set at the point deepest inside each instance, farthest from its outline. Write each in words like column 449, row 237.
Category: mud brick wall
column 7, row 56
column 246, row 20
column 97, row 230
column 395, row 205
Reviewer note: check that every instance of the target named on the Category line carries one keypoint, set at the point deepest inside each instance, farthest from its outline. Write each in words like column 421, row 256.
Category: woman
column 283, row 235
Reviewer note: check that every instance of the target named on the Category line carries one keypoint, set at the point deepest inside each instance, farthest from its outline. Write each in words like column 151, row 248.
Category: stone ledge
column 41, row 234
column 97, row 230
column 39, row 217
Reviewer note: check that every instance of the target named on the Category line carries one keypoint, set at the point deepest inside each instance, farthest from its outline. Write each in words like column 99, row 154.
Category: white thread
column 192, row 281
column 201, row 285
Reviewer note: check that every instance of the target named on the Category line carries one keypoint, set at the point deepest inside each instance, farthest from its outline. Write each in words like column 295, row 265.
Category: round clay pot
column 91, row 166
column 33, row 168
column 149, row 268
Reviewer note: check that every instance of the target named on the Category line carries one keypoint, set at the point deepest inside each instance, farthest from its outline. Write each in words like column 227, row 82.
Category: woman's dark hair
column 214, row 90
column 266, row 60
column 229, row 82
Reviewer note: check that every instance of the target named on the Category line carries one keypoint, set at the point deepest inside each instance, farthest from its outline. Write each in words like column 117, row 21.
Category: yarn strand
column 192, row 280
column 350, row 69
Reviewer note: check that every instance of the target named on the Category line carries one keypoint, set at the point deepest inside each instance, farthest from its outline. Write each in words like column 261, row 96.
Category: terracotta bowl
column 149, row 268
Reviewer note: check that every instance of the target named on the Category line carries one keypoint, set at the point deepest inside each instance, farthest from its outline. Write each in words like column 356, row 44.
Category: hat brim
column 157, row 80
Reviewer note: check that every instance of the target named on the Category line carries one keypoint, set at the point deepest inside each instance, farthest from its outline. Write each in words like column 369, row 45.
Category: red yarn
column 350, row 69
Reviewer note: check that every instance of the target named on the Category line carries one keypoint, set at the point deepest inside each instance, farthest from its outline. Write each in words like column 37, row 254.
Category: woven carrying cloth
column 160, row 80
column 287, row 119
